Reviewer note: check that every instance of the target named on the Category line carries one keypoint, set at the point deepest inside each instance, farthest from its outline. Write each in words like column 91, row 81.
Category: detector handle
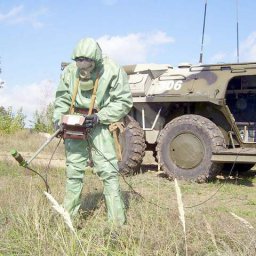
column 18, row 157
column 22, row 162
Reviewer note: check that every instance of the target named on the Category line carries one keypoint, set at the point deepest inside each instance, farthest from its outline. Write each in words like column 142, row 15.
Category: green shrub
column 43, row 119
column 10, row 122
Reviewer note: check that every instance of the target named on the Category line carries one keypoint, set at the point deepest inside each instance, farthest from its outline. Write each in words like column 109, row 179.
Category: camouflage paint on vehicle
column 214, row 106
column 225, row 94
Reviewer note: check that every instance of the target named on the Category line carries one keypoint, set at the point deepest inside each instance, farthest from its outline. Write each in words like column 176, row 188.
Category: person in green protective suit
column 113, row 102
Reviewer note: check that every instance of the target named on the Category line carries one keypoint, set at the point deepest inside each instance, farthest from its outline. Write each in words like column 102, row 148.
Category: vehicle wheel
column 133, row 147
column 185, row 147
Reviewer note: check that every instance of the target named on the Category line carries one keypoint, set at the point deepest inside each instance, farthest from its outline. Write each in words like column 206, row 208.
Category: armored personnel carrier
column 197, row 119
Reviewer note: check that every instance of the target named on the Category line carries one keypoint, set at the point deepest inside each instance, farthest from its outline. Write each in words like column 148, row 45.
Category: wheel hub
column 186, row 151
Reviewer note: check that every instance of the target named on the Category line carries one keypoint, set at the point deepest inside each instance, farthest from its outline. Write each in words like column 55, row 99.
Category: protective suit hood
column 88, row 48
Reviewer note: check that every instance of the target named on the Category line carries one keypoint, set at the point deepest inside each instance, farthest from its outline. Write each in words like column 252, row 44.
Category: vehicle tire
column 133, row 147
column 185, row 147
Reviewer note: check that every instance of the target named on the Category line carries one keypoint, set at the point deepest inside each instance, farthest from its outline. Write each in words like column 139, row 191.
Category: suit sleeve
column 120, row 101
column 63, row 97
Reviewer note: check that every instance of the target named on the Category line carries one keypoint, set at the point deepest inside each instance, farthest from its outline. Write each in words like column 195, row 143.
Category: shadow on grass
column 93, row 201
column 237, row 178
column 148, row 167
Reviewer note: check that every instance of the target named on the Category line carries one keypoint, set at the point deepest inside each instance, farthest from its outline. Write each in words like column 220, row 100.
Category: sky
column 36, row 36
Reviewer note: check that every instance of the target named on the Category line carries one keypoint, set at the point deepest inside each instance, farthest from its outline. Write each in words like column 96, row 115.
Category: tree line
column 11, row 122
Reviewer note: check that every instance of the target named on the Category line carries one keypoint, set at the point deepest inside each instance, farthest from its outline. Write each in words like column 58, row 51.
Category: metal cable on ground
column 209, row 198
column 123, row 176
column 224, row 183
column 41, row 176
column 48, row 165
column 91, row 145
column 45, row 179
column 141, row 196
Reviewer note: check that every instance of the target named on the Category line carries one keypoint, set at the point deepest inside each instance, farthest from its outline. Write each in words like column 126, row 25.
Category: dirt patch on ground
column 41, row 159
column 59, row 160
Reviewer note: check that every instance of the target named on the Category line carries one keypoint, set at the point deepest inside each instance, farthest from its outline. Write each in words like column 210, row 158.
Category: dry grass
column 27, row 141
column 29, row 226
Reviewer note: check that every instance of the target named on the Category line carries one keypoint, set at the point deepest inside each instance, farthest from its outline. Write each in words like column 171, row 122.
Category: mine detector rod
column 44, row 145
column 22, row 162
column 25, row 163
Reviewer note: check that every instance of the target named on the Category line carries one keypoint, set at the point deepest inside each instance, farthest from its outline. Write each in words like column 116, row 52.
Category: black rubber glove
column 91, row 120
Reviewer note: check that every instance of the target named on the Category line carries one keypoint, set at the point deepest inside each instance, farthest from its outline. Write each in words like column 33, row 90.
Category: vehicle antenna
column 237, row 32
column 202, row 43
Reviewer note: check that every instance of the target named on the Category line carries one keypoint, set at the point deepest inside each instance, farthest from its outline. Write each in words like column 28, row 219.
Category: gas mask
column 85, row 67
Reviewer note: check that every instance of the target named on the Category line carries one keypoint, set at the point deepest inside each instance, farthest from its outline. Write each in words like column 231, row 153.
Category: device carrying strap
column 117, row 128
column 93, row 98
column 71, row 109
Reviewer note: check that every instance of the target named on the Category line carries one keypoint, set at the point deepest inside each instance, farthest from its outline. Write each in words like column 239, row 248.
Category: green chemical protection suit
column 113, row 102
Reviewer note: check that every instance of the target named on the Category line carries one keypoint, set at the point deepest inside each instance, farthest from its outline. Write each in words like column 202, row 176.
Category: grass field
column 222, row 223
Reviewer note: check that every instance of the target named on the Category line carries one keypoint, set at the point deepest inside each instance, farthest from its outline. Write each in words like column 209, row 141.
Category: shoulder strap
column 71, row 109
column 93, row 98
